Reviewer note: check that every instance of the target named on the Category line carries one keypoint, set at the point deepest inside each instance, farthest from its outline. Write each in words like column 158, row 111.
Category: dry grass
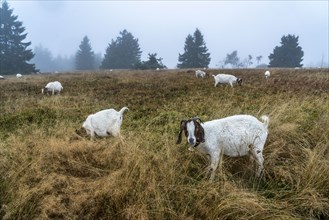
column 48, row 173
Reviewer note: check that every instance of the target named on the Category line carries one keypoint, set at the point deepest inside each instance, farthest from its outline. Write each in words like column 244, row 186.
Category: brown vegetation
column 46, row 172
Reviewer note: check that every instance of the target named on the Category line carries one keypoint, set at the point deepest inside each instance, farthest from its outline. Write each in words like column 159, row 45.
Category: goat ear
column 181, row 128
column 201, row 134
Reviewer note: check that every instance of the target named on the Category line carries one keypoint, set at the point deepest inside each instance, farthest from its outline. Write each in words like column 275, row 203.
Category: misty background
column 56, row 28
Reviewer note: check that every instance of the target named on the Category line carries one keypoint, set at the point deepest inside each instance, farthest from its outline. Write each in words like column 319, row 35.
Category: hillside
column 47, row 172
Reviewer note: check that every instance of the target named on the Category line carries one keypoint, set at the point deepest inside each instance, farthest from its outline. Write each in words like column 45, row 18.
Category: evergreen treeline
column 122, row 53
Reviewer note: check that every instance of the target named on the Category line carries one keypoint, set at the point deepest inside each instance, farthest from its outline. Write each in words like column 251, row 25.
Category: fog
column 250, row 27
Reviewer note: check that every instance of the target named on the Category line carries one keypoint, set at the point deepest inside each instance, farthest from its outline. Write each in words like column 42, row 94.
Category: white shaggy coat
column 226, row 79
column 233, row 136
column 200, row 73
column 53, row 87
column 267, row 74
column 104, row 123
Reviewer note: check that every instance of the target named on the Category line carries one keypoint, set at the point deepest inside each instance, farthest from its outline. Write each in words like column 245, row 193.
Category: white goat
column 267, row 74
column 53, row 87
column 233, row 136
column 200, row 73
column 226, row 79
column 18, row 75
column 104, row 123
column 1, row 77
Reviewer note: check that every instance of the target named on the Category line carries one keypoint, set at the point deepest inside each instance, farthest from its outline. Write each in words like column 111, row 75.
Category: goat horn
column 197, row 118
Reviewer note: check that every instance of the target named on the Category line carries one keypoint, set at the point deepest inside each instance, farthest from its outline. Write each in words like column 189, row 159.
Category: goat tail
column 123, row 110
column 266, row 120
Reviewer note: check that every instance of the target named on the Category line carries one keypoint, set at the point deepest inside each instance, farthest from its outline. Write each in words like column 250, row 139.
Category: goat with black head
column 239, row 81
column 234, row 136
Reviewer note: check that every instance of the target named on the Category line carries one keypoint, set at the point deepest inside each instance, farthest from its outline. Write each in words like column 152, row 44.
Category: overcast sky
column 250, row 27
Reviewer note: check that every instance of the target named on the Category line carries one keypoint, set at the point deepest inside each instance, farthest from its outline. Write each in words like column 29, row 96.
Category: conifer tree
column 289, row 54
column 195, row 52
column 85, row 57
column 152, row 63
column 123, row 53
column 186, row 58
column 14, row 53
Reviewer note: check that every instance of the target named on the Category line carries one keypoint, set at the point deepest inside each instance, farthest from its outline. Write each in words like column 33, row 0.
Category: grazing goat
column 233, row 136
column 1, row 77
column 53, row 87
column 267, row 74
column 200, row 73
column 18, row 75
column 104, row 123
column 227, row 79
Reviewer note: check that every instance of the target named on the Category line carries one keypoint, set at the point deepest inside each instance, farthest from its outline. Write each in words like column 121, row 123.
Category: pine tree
column 289, row 54
column 186, row 58
column 14, row 54
column 152, row 63
column 202, row 56
column 195, row 52
column 123, row 53
column 85, row 57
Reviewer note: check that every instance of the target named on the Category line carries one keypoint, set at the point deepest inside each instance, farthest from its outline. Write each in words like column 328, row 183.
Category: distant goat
column 18, row 75
column 226, row 79
column 52, row 87
column 1, row 77
column 233, row 136
column 104, row 123
column 200, row 73
column 267, row 74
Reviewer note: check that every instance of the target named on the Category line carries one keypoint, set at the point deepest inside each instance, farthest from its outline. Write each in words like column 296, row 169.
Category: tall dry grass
column 48, row 173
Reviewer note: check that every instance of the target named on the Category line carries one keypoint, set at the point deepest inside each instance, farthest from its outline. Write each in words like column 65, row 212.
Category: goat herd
column 234, row 136
column 226, row 78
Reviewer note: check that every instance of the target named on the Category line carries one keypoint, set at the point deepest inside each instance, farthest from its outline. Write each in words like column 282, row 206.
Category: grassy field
column 46, row 172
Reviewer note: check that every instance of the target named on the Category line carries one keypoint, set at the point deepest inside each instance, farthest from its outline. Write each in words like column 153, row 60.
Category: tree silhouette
column 289, row 54
column 195, row 52
column 232, row 59
column 249, row 60
column 14, row 55
column 259, row 58
column 123, row 53
column 85, row 57
column 43, row 59
column 152, row 63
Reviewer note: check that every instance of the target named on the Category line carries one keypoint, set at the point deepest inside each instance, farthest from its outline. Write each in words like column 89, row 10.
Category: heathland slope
column 47, row 172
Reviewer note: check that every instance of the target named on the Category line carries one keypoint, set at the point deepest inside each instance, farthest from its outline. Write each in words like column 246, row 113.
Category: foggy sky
column 250, row 27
